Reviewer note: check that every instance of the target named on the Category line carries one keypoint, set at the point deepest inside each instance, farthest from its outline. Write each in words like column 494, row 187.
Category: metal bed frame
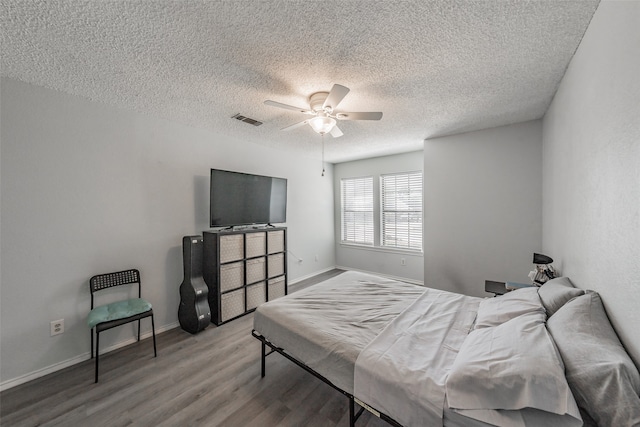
column 353, row 416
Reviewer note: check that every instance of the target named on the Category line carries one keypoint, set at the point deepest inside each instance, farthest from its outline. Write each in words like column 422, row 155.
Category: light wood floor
column 208, row 379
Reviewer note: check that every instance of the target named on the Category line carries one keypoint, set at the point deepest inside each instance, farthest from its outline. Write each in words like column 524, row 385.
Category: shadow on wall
column 173, row 275
column 201, row 202
column 455, row 280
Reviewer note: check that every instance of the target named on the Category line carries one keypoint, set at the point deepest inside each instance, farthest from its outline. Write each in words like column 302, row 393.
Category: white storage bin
column 256, row 270
column 276, row 288
column 231, row 248
column 275, row 241
column 256, row 244
column 256, row 295
column 231, row 304
column 231, row 276
column 276, row 265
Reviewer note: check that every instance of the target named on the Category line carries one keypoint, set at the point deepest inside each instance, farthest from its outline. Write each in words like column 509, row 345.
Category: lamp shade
column 322, row 125
column 541, row 259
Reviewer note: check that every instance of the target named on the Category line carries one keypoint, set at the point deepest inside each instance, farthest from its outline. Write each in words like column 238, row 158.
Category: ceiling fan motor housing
column 316, row 101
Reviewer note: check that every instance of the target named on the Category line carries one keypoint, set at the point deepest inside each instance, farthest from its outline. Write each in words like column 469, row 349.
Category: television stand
column 243, row 269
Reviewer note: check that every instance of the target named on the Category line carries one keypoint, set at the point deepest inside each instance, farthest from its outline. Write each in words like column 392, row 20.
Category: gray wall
column 87, row 189
column 483, row 207
column 376, row 259
column 592, row 167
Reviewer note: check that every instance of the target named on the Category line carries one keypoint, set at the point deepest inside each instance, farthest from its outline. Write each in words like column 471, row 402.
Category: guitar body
column 194, row 313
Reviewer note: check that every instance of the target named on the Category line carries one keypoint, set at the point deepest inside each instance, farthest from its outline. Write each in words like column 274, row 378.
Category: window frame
column 368, row 226
column 412, row 236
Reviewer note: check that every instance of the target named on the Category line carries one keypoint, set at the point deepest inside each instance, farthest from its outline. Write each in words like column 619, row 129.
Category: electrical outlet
column 403, row 261
column 57, row 327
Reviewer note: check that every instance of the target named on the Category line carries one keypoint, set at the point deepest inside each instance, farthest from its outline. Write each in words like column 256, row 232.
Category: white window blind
column 401, row 197
column 357, row 210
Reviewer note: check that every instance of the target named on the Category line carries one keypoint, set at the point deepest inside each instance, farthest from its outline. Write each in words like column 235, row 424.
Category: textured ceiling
column 433, row 67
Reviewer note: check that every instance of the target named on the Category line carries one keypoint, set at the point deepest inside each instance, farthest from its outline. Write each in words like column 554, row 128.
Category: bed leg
column 264, row 356
column 352, row 415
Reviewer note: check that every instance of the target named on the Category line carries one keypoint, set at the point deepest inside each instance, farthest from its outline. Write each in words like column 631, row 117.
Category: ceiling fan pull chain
column 322, row 136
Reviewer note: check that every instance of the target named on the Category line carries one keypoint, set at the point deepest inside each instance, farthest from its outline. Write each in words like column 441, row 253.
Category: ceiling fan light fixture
column 322, row 124
column 322, row 106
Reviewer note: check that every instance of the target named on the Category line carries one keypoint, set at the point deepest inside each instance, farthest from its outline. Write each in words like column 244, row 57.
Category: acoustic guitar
column 194, row 313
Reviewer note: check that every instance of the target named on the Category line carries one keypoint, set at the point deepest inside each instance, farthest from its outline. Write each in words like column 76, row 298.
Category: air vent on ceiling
column 246, row 119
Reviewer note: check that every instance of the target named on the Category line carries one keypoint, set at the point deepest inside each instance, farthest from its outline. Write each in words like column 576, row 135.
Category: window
column 401, row 216
column 357, row 210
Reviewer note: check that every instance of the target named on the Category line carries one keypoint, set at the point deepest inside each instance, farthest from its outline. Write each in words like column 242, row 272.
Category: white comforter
column 411, row 389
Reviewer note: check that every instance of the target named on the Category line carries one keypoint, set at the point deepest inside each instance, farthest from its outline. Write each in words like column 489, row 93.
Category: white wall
column 377, row 260
column 591, row 169
column 87, row 189
column 483, row 214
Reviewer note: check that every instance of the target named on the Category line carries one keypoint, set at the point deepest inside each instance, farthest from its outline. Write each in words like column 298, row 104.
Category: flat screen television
column 241, row 199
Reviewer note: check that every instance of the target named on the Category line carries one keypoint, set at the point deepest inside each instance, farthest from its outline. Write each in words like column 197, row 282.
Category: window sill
column 412, row 252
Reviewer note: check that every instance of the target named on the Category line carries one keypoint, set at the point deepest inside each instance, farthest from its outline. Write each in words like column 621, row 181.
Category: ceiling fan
column 322, row 106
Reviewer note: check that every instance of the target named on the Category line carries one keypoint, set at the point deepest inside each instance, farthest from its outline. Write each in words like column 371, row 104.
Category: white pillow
column 512, row 366
column 498, row 310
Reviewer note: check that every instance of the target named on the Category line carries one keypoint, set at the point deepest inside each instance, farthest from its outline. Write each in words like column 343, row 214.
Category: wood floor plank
column 274, row 414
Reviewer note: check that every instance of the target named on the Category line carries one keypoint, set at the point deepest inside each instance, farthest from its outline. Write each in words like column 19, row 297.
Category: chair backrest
column 109, row 280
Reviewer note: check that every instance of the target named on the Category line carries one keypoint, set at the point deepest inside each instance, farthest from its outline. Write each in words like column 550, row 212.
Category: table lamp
column 544, row 270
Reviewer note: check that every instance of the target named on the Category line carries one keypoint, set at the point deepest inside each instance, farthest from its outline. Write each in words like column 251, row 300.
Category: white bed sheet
column 403, row 371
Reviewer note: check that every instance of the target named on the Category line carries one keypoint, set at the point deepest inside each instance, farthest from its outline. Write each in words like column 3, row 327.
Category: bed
column 419, row 356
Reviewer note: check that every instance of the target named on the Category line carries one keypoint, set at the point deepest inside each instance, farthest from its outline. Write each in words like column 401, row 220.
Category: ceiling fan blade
column 287, row 107
column 359, row 116
column 297, row 125
column 338, row 92
column 336, row 132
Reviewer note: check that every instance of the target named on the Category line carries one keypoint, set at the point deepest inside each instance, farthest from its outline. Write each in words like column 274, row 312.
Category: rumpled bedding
column 327, row 325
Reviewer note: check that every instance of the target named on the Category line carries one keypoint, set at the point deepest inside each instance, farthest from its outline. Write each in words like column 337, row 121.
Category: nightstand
column 496, row 288
column 501, row 288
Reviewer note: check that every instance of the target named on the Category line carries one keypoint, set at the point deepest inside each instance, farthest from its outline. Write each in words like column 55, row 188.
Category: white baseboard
column 315, row 273
column 388, row 276
column 5, row 385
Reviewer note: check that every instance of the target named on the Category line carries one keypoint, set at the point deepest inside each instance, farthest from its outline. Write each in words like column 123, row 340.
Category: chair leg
column 153, row 330
column 138, row 329
column 97, row 353
column 91, row 332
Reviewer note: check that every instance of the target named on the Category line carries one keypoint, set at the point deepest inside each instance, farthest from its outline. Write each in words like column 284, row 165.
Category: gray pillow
column 557, row 292
column 602, row 377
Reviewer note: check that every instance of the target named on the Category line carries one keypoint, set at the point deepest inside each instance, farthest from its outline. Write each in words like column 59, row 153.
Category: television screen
column 240, row 199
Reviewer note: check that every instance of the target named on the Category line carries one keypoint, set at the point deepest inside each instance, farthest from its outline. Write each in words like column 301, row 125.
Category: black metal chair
column 118, row 313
